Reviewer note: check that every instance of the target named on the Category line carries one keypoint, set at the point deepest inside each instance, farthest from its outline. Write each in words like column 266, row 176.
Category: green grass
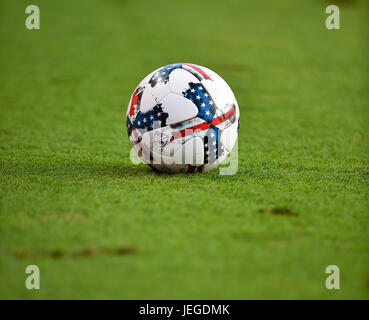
column 100, row 227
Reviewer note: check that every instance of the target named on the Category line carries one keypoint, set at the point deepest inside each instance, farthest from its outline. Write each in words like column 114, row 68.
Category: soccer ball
column 183, row 118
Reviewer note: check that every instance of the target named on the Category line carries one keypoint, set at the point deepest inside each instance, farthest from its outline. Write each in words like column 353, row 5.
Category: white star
column 200, row 87
column 144, row 120
column 198, row 97
column 212, row 135
column 206, row 94
column 203, row 104
column 207, row 112
column 138, row 122
column 211, row 102
column 214, row 143
column 192, row 90
column 151, row 117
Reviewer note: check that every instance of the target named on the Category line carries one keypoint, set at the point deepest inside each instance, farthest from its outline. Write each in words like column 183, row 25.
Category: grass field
column 100, row 227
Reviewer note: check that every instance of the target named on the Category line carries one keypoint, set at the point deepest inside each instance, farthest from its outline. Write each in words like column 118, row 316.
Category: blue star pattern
column 145, row 120
column 162, row 75
column 201, row 98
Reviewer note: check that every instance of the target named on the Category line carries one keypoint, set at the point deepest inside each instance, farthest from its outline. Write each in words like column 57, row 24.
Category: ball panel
column 179, row 80
column 229, row 136
column 190, row 153
column 148, row 101
column 219, row 93
column 178, row 108
column 222, row 92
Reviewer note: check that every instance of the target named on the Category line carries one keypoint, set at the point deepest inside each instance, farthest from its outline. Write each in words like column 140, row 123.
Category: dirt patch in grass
column 279, row 211
column 83, row 253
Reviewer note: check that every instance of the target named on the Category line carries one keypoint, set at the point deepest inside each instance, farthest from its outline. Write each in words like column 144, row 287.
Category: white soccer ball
column 183, row 118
